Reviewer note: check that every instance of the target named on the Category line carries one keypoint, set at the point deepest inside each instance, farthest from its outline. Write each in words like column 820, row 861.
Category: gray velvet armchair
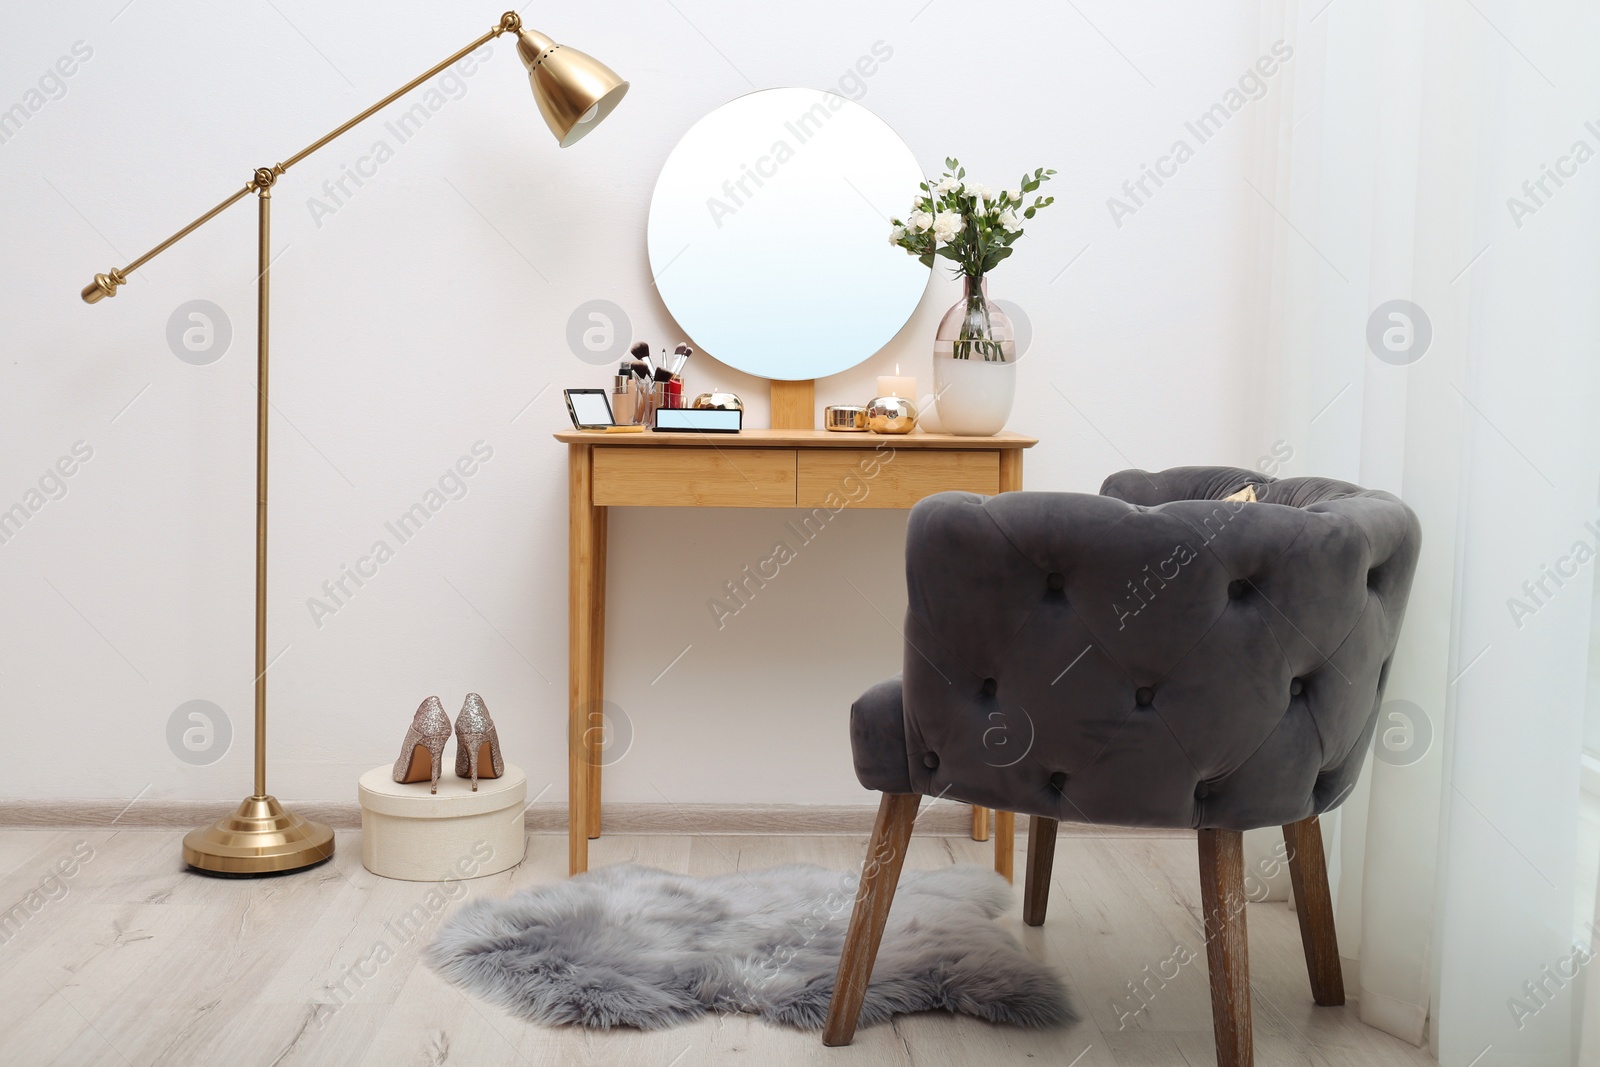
column 1155, row 656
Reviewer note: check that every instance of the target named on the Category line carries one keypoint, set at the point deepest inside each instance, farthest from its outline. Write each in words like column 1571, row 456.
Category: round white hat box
column 418, row 836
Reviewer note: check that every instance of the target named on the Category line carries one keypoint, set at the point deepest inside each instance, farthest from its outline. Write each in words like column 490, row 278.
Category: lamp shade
column 575, row 91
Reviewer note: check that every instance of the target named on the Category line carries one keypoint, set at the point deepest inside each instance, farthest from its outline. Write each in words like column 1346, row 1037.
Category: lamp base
column 258, row 838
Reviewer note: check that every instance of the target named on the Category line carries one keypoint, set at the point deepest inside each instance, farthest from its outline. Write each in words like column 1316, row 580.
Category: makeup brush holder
column 643, row 403
column 656, row 396
column 643, row 396
column 665, row 395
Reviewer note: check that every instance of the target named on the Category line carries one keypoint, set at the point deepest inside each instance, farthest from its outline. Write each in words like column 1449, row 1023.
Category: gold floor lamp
column 574, row 92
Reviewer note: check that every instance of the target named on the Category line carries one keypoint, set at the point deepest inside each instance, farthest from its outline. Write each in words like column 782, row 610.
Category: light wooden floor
column 133, row 961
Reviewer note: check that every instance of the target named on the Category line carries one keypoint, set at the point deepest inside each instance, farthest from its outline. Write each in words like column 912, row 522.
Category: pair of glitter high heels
column 477, row 744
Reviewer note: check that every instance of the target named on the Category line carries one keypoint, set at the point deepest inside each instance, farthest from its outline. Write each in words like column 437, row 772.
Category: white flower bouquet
column 967, row 222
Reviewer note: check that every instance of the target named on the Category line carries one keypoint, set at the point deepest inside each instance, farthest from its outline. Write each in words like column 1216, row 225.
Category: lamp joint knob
column 104, row 285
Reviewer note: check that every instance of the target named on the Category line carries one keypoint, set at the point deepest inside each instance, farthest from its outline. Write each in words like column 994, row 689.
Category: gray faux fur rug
column 634, row 946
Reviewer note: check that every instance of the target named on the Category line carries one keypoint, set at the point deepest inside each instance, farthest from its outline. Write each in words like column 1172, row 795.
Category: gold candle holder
column 891, row 415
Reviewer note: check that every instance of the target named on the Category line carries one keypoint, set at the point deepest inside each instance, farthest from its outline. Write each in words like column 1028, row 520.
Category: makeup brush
column 662, row 373
column 674, row 384
column 681, row 356
column 641, row 360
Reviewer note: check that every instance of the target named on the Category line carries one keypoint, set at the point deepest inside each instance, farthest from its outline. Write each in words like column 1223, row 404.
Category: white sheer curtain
column 1385, row 169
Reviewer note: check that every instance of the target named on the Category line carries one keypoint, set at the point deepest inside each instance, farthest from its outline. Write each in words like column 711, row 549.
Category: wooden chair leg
column 1313, row 903
column 1222, row 900
column 980, row 824
column 1041, row 858
column 880, row 874
column 1005, row 843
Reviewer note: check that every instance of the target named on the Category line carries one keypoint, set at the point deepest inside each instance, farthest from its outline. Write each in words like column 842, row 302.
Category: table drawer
column 832, row 477
column 627, row 476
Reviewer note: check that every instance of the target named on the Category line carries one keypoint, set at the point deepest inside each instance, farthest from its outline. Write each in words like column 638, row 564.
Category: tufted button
column 1296, row 687
column 931, row 761
column 1058, row 781
column 1145, row 696
column 1202, row 791
column 1236, row 588
column 989, row 687
column 1057, row 581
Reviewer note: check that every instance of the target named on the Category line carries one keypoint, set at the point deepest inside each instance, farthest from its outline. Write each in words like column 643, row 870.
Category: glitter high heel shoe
column 475, row 739
column 423, row 750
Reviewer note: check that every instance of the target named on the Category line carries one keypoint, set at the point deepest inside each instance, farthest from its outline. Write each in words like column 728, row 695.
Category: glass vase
column 974, row 364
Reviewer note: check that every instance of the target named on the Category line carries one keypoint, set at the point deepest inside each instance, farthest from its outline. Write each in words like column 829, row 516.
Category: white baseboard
column 942, row 819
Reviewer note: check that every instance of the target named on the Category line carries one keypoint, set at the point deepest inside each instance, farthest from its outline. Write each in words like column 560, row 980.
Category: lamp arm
column 105, row 285
column 510, row 22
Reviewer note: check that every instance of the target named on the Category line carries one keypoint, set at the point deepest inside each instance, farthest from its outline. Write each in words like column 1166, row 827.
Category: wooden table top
column 799, row 439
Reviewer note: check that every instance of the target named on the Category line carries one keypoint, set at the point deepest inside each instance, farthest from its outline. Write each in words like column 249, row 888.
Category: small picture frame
column 590, row 408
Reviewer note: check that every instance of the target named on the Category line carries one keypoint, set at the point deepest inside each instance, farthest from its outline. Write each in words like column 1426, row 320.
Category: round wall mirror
column 769, row 233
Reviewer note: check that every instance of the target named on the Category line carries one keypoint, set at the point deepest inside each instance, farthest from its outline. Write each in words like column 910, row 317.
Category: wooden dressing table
column 778, row 468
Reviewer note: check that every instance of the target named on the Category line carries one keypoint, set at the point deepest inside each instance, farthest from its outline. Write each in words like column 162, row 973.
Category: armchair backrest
column 1154, row 656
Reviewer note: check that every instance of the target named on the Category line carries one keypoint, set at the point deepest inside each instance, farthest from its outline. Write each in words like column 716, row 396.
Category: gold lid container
column 845, row 418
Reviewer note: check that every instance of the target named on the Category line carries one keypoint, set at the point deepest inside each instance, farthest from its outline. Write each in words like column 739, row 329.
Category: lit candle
column 895, row 385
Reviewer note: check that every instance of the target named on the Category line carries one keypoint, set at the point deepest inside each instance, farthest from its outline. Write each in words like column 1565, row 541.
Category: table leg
column 597, row 668
column 581, row 521
column 1011, row 470
column 1005, row 841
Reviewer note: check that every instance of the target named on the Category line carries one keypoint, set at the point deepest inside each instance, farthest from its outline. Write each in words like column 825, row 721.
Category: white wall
column 428, row 311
